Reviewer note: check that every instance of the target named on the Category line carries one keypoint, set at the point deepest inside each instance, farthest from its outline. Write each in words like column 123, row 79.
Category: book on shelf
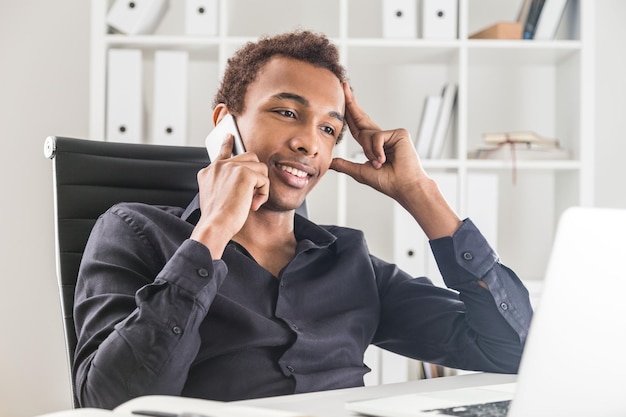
column 496, row 138
column 549, row 19
column 519, row 146
column 530, row 25
column 523, row 11
column 519, row 151
column 428, row 122
column 444, row 120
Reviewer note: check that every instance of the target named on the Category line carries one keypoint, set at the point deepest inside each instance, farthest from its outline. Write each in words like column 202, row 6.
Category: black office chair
column 91, row 176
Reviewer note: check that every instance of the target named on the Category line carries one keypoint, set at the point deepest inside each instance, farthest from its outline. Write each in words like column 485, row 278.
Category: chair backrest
column 91, row 176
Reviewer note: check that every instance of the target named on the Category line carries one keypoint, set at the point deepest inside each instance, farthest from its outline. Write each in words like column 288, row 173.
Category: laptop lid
column 574, row 362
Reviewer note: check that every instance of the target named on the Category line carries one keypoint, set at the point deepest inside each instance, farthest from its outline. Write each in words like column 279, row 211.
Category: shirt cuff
column 466, row 249
column 193, row 270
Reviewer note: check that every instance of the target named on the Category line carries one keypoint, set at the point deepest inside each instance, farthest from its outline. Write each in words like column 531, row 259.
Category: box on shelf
column 500, row 30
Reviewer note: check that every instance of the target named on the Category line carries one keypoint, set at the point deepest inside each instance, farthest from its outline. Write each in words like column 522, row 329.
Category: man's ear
column 219, row 112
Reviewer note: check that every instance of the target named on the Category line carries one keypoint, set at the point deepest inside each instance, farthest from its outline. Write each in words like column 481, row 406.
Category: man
column 238, row 297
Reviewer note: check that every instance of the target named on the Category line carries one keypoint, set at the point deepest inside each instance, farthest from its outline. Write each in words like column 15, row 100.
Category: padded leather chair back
column 91, row 176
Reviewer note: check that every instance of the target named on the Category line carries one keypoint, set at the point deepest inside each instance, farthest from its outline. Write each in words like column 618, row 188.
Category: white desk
column 318, row 404
column 331, row 403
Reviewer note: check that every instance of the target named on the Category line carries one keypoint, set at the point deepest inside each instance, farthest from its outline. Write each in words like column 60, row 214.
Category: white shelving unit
column 503, row 85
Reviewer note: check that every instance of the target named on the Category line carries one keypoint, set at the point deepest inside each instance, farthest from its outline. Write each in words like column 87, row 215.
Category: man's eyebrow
column 302, row 100
column 338, row 116
column 292, row 96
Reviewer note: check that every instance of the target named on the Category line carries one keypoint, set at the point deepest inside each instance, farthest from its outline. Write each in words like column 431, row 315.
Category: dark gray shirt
column 155, row 315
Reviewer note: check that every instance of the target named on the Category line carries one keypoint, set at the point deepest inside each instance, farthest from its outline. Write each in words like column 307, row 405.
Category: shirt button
column 177, row 330
column 294, row 326
column 203, row 272
column 290, row 369
column 504, row 306
column 468, row 256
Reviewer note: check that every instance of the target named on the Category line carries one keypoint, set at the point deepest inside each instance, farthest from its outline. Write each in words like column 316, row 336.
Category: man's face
column 293, row 115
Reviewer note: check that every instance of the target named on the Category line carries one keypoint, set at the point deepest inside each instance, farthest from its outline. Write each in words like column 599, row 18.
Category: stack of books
column 437, row 116
column 519, row 146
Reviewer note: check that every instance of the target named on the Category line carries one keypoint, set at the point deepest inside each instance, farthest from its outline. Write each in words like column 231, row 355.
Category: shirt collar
column 192, row 212
column 307, row 233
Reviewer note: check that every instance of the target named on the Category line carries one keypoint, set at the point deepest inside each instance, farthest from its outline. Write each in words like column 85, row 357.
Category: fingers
column 352, row 169
column 261, row 194
column 356, row 117
column 374, row 147
column 243, row 183
column 365, row 131
column 226, row 148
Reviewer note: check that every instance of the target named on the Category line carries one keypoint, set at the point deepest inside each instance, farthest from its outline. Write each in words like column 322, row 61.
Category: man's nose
column 306, row 140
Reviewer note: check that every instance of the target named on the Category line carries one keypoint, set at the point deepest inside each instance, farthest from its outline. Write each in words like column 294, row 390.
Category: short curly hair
column 243, row 67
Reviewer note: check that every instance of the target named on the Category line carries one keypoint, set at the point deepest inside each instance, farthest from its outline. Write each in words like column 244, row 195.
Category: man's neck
column 269, row 237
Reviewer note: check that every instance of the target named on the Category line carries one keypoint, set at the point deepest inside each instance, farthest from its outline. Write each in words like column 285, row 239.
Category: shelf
column 524, row 165
column 496, row 165
column 524, row 53
column 162, row 42
column 246, row 18
column 399, row 53
column 412, row 43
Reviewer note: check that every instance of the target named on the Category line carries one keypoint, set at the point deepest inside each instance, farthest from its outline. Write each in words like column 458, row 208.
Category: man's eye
column 328, row 130
column 287, row 113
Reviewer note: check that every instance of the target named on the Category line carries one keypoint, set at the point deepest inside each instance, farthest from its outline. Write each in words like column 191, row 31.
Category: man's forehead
column 286, row 69
column 291, row 79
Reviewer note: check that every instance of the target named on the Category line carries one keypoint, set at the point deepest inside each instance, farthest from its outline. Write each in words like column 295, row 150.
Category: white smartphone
column 216, row 137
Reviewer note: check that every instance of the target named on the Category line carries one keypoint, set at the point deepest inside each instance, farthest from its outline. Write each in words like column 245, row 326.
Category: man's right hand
column 229, row 188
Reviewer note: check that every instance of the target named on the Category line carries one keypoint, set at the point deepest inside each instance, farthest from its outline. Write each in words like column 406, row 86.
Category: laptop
column 574, row 362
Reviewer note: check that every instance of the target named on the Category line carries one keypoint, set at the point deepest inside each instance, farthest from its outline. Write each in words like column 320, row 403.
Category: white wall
column 610, row 103
column 44, row 67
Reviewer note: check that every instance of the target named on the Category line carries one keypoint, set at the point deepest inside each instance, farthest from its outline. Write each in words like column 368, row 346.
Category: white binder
column 169, row 119
column 399, row 18
column 201, row 17
column 439, row 19
column 137, row 16
column 124, row 121
column 410, row 247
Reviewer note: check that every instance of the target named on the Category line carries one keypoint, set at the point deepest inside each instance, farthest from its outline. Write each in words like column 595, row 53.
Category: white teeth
column 294, row 171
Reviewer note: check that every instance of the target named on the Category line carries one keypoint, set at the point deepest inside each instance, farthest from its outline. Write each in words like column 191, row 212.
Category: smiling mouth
column 294, row 171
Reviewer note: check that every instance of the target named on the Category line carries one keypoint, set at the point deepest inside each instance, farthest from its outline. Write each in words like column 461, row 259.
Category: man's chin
column 281, row 206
